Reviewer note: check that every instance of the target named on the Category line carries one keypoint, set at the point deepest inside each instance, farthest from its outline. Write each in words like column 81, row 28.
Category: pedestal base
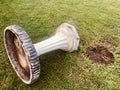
column 66, row 38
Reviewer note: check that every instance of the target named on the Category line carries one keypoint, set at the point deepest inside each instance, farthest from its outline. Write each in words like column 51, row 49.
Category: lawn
column 97, row 22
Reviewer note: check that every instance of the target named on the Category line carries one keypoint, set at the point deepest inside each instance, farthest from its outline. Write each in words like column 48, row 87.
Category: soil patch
column 100, row 54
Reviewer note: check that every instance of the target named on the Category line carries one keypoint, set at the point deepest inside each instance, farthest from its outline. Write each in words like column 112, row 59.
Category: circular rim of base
column 29, row 50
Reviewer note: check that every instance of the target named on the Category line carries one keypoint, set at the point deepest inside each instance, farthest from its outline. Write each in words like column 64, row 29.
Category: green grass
column 97, row 22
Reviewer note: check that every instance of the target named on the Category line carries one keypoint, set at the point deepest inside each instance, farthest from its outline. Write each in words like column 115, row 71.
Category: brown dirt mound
column 100, row 54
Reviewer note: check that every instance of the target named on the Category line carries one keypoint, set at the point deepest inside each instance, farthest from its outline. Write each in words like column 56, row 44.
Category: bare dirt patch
column 100, row 54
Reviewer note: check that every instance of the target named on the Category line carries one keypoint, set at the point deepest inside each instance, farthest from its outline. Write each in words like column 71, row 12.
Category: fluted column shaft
column 58, row 41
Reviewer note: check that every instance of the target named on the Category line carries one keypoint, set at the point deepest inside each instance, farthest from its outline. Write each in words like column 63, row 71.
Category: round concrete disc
column 22, row 53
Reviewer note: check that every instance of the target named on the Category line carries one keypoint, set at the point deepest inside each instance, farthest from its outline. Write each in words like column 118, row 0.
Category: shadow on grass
column 51, row 63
